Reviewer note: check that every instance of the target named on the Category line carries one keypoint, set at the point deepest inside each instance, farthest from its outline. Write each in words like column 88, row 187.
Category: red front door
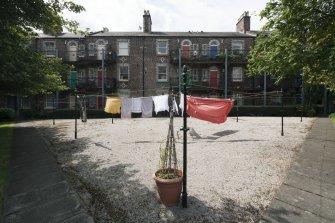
column 186, row 51
column 213, row 78
column 99, row 78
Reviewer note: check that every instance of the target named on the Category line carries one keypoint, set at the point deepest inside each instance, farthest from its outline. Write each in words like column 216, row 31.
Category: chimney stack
column 147, row 22
column 243, row 24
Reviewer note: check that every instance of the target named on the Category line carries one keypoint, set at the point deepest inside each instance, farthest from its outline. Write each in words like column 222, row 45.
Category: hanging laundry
column 136, row 106
column 147, row 107
column 126, row 107
column 113, row 105
column 161, row 103
column 181, row 103
column 209, row 109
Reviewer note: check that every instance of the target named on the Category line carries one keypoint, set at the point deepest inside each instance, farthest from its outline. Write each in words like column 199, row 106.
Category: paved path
column 36, row 189
column 308, row 193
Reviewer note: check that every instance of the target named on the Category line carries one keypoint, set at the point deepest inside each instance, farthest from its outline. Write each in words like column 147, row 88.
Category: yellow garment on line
column 113, row 105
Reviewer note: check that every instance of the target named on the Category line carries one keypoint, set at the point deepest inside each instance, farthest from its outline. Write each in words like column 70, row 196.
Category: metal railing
column 209, row 56
column 80, row 55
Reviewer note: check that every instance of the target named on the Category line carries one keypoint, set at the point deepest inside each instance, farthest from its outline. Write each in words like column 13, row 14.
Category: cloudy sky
column 167, row 15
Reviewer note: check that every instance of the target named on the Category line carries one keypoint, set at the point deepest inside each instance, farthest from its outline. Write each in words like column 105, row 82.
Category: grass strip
column 332, row 117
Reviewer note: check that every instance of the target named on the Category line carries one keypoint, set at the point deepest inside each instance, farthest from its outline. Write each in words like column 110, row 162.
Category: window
column 49, row 101
column 81, row 50
column 123, row 47
column 237, row 74
column 162, row 73
column 124, row 72
column 237, row 46
column 25, row 102
column 92, row 73
column 204, row 75
column 195, row 49
column 101, row 48
column 81, row 76
column 49, row 48
column 204, row 49
column 123, row 93
column 194, row 75
column 91, row 49
column 72, row 48
column 92, row 102
column 162, row 47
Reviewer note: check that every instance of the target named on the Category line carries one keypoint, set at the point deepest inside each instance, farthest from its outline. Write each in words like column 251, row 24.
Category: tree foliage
column 23, row 70
column 298, row 38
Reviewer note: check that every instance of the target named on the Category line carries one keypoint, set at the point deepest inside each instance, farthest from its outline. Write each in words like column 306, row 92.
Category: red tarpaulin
column 209, row 109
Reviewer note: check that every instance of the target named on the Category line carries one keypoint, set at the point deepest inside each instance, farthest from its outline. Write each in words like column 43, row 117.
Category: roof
column 60, row 35
column 152, row 34
column 174, row 34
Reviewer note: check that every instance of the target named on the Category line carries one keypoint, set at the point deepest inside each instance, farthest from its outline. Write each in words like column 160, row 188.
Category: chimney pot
column 243, row 23
column 147, row 22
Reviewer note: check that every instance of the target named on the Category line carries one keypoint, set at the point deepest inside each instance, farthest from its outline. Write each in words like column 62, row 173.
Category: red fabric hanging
column 209, row 109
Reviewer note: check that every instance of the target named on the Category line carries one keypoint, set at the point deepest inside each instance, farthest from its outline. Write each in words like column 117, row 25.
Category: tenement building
column 147, row 63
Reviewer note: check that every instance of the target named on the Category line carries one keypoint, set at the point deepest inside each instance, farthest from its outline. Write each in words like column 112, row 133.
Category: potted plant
column 168, row 177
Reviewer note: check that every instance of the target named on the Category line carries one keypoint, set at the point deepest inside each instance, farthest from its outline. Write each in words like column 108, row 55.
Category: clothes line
column 213, row 110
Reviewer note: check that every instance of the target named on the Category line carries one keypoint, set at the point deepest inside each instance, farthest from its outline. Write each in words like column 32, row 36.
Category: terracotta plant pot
column 169, row 190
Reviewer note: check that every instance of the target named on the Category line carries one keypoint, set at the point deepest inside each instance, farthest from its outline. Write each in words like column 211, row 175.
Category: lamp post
column 103, row 77
column 184, row 129
column 179, row 66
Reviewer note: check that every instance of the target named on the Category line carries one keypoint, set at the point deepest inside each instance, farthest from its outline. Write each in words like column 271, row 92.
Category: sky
column 167, row 15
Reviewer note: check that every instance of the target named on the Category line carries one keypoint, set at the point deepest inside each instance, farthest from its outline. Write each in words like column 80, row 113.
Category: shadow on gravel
column 112, row 193
column 228, row 211
column 215, row 136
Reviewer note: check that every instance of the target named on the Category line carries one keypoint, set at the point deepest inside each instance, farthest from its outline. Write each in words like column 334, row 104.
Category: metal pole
column 75, row 117
column 302, row 95
column 325, row 106
column 53, row 110
column 103, row 78
column 282, row 113
column 237, row 111
column 179, row 67
column 225, row 72
column 264, row 103
column 184, row 129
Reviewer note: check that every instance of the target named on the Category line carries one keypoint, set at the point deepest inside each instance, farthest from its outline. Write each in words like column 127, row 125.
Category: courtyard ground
column 234, row 169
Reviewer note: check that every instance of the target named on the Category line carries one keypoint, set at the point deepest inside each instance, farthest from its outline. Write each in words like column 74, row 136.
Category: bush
column 7, row 114
column 311, row 112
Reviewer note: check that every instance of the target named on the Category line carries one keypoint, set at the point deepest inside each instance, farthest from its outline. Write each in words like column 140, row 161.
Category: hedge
column 6, row 114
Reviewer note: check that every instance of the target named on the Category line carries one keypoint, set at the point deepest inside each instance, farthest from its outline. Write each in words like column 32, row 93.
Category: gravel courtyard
column 234, row 168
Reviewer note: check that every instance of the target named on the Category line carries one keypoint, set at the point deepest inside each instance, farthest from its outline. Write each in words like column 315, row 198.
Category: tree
column 297, row 38
column 24, row 71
